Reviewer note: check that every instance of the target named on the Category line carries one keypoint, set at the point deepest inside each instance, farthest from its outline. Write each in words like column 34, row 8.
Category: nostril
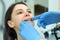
column 27, row 15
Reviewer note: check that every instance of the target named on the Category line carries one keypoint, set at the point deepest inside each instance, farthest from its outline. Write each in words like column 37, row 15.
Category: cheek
column 31, row 15
column 17, row 20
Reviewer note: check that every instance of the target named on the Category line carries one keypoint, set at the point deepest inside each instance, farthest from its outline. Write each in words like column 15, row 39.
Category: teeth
column 28, row 19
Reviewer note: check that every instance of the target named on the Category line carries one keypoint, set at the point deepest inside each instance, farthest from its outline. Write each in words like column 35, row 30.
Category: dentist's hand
column 47, row 18
column 28, row 32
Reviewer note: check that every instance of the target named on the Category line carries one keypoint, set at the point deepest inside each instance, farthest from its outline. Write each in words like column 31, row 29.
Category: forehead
column 20, row 6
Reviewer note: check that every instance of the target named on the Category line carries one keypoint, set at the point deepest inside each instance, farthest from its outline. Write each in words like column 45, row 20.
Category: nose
column 27, row 14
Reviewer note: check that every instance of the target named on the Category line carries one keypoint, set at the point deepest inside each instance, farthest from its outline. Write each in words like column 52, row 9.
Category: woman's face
column 21, row 13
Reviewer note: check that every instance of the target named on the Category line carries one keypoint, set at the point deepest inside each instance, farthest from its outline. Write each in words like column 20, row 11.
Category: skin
column 19, row 14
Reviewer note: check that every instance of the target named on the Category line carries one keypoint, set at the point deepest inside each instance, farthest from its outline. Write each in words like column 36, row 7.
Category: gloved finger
column 21, row 27
column 38, row 23
column 22, row 23
column 36, row 17
column 25, row 24
column 39, row 16
column 41, row 23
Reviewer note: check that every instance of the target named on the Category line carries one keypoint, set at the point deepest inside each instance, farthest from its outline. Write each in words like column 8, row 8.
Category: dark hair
column 10, row 32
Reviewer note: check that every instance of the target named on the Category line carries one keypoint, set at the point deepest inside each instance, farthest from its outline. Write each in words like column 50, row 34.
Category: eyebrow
column 22, row 9
column 18, row 9
column 28, row 9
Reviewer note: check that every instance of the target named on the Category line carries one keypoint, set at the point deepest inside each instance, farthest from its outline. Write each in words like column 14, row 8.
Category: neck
column 18, row 36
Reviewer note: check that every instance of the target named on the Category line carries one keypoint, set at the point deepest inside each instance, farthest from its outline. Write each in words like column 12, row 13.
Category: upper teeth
column 27, row 20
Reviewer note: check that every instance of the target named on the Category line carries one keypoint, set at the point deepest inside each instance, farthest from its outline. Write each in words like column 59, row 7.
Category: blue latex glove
column 47, row 18
column 28, row 32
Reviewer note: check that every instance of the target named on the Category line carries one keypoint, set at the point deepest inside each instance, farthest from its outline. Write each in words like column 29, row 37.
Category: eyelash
column 19, row 12
column 22, row 12
column 29, row 11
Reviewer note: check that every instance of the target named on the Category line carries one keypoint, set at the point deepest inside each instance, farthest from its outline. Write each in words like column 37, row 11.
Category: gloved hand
column 47, row 18
column 28, row 32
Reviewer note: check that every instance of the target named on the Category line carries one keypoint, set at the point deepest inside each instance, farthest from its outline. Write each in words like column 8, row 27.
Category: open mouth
column 29, row 19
